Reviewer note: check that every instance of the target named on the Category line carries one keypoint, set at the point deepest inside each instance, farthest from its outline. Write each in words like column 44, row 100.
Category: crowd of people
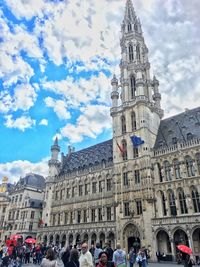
column 47, row 256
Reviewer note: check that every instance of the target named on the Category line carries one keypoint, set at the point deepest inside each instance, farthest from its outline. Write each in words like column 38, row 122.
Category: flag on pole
column 120, row 148
column 137, row 141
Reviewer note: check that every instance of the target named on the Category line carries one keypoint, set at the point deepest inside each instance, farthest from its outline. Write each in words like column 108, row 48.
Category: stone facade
column 24, row 207
column 142, row 194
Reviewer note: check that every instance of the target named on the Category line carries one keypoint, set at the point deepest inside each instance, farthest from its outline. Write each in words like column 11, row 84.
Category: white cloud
column 19, row 168
column 91, row 123
column 59, row 107
column 43, row 122
column 77, row 93
column 23, row 98
column 20, row 123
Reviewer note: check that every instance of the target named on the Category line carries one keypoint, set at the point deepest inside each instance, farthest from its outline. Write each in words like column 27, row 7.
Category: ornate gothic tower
column 136, row 112
column 54, row 165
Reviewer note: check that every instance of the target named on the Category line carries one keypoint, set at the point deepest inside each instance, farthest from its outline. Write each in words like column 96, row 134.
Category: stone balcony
column 177, row 147
column 179, row 219
column 82, row 227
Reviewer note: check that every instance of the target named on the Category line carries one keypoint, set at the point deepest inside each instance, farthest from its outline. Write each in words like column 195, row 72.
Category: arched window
column 177, row 172
column 198, row 162
column 163, row 200
column 136, row 27
column 138, row 52
column 133, row 121
column 160, row 172
column 123, row 124
column 195, row 200
column 167, row 170
column 129, row 27
column 182, row 202
column 130, row 51
column 189, row 166
column 172, row 203
column 133, row 86
column 124, row 148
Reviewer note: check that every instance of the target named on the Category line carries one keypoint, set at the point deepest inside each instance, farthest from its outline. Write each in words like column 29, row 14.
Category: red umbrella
column 185, row 249
column 30, row 241
column 15, row 237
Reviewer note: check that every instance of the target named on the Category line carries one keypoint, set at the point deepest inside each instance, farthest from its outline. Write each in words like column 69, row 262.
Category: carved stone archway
column 131, row 237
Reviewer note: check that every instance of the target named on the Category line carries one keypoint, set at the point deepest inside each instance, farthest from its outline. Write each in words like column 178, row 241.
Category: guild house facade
column 141, row 188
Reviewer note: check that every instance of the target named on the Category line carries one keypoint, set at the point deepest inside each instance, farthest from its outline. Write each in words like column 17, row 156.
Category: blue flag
column 137, row 141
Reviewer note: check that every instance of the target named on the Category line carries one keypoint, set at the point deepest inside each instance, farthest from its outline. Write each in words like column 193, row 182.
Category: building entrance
column 131, row 237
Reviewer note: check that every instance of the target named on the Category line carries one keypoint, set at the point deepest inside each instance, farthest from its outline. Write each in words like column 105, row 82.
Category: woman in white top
column 49, row 261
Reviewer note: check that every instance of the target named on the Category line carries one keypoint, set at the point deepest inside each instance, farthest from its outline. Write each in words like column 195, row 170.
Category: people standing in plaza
column 92, row 249
column 73, row 259
column 96, row 253
column 141, row 258
column 103, row 260
column 65, row 256
column 132, row 257
column 85, row 258
column 119, row 257
column 109, row 251
column 49, row 260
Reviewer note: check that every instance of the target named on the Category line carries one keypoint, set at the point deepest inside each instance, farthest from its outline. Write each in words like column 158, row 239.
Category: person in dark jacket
column 73, row 259
column 65, row 256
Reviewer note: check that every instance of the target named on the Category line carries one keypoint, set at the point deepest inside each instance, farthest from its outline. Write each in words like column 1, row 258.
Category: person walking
column 141, row 258
column 49, row 260
column 132, row 256
column 109, row 251
column 85, row 258
column 73, row 259
column 96, row 254
column 119, row 257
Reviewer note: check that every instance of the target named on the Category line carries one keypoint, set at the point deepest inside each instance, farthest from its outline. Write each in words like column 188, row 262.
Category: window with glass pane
column 73, row 191
column 66, row 217
column 133, row 121
column 93, row 215
column 139, row 207
column 108, row 184
column 126, row 209
column 125, row 179
column 108, row 211
column 100, row 186
column 94, row 187
column 137, row 176
column 133, row 86
column 123, row 124
column 163, row 204
column 68, row 192
column 78, row 216
column 86, row 189
column 198, row 162
column 172, row 204
column 80, row 189
column 196, row 200
column 100, row 215
column 85, row 216
column 182, row 202
column 189, row 166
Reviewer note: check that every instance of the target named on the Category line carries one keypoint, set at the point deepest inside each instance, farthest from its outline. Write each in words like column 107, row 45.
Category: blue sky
column 56, row 62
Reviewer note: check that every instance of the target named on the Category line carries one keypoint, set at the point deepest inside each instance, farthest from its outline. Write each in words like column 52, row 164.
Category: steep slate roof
column 90, row 156
column 179, row 128
column 31, row 180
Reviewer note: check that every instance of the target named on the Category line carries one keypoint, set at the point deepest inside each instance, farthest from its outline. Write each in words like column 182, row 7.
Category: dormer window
column 189, row 136
column 136, row 27
column 174, row 140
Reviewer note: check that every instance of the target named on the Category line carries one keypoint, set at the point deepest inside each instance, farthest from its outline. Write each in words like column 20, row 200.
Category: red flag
column 121, row 148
